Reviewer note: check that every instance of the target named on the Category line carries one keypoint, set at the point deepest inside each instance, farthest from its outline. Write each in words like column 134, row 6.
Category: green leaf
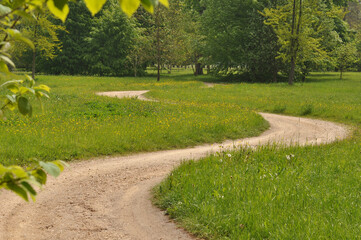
column 24, row 90
column 2, row 170
column 13, row 88
column 4, row 10
column 42, row 87
column 39, row 94
column 16, row 35
column 18, row 172
column 28, row 188
column 60, row 13
column 50, row 168
column 18, row 190
column 129, row 6
column 148, row 5
column 11, row 82
column 60, row 4
column 94, row 6
column 11, row 98
column 40, row 176
column 164, row 2
column 60, row 164
column 3, row 67
column 24, row 106
column 30, row 80
column 7, row 60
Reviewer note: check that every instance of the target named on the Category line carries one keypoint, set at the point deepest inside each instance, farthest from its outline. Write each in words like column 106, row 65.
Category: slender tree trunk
column 341, row 71
column 33, row 65
column 199, row 69
column 291, row 75
column 275, row 72
column 34, row 51
column 158, row 43
column 135, row 67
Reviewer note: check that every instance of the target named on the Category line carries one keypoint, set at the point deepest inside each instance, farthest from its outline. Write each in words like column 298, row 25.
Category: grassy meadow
column 78, row 124
column 309, row 192
column 271, row 193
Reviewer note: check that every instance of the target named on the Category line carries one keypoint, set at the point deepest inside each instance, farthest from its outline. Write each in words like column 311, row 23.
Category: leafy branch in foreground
column 15, row 178
column 23, row 180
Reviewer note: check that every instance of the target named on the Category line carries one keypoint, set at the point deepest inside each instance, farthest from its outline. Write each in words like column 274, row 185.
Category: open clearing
column 109, row 198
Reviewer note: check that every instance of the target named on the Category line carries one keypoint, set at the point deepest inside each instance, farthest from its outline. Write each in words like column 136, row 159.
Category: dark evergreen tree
column 110, row 42
column 71, row 60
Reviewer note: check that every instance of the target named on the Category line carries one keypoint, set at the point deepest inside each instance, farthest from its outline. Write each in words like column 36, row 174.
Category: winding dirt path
column 108, row 198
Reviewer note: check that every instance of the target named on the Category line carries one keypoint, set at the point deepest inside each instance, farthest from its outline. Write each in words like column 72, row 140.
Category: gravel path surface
column 108, row 198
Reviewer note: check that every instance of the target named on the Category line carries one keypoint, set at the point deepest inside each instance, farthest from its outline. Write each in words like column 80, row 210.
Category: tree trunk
column 199, row 69
column 294, row 41
column 208, row 69
column 341, row 71
column 291, row 75
column 34, row 51
column 33, row 65
column 275, row 72
column 158, row 43
column 135, row 67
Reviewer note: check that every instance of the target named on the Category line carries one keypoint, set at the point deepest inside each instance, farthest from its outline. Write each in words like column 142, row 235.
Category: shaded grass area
column 276, row 193
column 78, row 124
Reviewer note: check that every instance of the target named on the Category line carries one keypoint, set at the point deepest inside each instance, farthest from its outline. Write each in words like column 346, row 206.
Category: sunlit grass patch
column 274, row 193
column 79, row 124
column 270, row 193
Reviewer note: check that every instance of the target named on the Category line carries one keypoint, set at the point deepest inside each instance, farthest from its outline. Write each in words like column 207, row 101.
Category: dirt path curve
column 108, row 198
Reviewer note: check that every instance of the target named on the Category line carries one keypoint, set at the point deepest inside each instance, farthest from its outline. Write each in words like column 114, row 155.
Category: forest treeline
column 252, row 40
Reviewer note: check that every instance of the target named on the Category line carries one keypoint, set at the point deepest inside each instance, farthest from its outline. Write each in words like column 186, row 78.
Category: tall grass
column 276, row 193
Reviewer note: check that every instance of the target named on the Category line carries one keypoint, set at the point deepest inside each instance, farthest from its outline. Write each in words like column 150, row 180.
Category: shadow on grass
column 325, row 77
column 188, row 77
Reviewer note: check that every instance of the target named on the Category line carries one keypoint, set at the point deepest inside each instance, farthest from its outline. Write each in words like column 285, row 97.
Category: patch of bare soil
column 126, row 94
column 109, row 197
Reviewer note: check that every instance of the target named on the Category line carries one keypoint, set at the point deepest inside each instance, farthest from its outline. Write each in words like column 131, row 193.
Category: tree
column 177, row 31
column 140, row 50
column 14, row 178
column 345, row 56
column 296, row 25
column 237, row 40
column 110, row 42
column 44, row 35
column 71, row 60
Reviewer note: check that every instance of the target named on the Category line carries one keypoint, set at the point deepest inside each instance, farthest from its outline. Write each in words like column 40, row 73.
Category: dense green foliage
column 237, row 38
column 229, row 37
column 110, row 43
column 87, row 47
column 71, row 59
column 272, row 192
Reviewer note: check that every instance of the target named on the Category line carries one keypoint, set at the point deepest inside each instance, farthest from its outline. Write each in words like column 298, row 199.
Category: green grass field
column 77, row 124
column 245, row 195
column 261, row 194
